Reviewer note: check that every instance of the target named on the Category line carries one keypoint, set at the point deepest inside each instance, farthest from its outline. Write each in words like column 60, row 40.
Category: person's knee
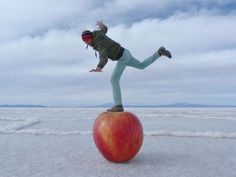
column 141, row 66
column 114, row 80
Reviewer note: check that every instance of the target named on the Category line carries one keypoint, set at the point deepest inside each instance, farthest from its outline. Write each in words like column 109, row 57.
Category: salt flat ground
column 58, row 142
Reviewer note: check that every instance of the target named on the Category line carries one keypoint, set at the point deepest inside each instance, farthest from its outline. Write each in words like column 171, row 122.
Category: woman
column 109, row 49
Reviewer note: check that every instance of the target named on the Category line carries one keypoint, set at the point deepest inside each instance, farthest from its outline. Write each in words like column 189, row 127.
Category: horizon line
column 174, row 105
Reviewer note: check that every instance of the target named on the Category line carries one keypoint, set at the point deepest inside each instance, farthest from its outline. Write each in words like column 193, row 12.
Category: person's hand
column 98, row 69
column 100, row 24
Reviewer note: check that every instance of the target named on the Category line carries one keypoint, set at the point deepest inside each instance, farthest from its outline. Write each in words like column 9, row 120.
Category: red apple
column 118, row 135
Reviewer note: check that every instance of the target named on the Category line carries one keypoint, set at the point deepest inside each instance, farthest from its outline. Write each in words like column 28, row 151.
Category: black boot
column 164, row 52
column 117, row 108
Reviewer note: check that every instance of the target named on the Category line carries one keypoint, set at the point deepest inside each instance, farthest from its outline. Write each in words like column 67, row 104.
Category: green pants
column 127, row 60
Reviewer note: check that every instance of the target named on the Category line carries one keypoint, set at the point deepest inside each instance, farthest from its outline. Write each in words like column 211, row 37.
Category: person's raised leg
column 133, row 62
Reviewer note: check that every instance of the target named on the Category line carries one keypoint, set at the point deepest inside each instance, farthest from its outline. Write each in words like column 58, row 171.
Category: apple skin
column 118, row 135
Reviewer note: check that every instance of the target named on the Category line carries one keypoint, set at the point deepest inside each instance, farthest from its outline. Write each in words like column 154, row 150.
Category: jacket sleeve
column 103, row 58
column 104, row 29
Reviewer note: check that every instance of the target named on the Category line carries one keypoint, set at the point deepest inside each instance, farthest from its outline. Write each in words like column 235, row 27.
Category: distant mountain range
column 174, row 105
column 21, row 106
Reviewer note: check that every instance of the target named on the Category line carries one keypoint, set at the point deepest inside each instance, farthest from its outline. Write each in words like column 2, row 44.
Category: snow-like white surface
column 57, row 142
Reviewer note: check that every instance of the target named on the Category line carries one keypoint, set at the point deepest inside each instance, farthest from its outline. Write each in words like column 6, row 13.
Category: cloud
column 44, row 61
column 34, row 18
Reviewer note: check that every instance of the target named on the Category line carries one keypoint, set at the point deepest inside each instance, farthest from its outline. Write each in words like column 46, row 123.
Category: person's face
column 88, row 42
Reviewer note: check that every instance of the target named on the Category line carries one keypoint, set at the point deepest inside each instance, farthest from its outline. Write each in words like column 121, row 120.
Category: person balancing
column 110, row 49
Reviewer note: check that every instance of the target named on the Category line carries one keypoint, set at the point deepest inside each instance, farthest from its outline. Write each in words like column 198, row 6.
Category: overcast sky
column 44, row 61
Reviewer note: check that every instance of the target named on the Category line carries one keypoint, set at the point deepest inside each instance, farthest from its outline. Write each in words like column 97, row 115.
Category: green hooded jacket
column 106, row 47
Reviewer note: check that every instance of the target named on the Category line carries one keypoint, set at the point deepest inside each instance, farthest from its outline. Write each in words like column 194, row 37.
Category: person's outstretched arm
column 103, row 58
column 102, row 27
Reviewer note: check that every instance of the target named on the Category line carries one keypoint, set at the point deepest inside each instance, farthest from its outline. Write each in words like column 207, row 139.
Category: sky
column 44, row 61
